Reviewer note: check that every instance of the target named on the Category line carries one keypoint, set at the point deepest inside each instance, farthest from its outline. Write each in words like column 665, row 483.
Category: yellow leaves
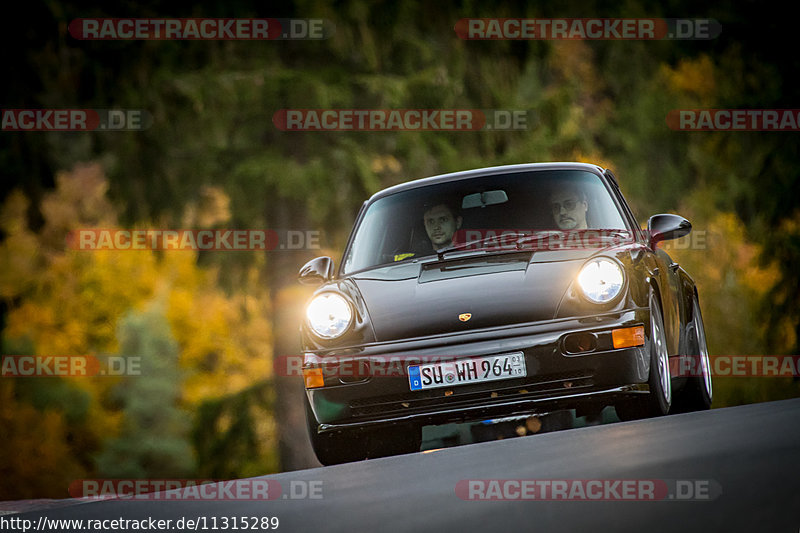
column 225, row 341
column 692, row 76
column 592, row 158
column 577, row 90
column 79, row 298
column 735, row 258
column 725, row 266
column 572, row 123
column 79, row 200
column 28, row 319
column 42, row 465
column 18, row 258
column 385, row 163
column 12, row 216
column 19, row 252
column 213, row 208
column 791, row 225
column 574, row 60
column 70, row 301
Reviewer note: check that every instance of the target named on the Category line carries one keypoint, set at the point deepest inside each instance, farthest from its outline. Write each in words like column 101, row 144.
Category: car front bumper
column 379, row 394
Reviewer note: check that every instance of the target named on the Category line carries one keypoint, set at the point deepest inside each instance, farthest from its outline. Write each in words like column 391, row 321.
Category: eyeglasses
column 569, row 205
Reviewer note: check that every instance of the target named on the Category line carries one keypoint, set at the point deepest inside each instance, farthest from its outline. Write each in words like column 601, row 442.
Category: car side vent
column 580, row 342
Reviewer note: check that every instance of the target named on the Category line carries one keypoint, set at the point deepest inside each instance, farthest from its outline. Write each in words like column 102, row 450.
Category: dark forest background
column 207, row 325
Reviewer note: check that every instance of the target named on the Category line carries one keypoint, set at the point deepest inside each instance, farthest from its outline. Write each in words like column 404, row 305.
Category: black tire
column 697, row 393
column 346, row 446
column 659, row 400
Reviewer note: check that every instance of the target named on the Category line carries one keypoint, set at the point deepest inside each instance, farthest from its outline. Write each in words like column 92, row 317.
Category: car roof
column 487, row 171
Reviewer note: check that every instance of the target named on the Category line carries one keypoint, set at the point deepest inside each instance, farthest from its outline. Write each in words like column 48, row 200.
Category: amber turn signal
column 313, row 378
column 628, row 337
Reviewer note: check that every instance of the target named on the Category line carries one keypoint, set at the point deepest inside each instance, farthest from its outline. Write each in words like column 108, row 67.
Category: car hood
column 429, row 298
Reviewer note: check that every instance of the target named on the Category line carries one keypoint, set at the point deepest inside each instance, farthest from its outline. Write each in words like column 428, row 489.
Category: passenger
column 569, row 205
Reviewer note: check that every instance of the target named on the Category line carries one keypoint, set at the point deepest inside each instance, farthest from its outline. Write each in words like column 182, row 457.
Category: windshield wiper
column 517, row 236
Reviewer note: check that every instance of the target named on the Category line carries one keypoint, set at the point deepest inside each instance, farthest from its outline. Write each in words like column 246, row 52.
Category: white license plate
column 465, row 371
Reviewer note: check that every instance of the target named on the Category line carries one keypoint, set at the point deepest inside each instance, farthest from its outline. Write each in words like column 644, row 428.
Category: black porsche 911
column 495, row 292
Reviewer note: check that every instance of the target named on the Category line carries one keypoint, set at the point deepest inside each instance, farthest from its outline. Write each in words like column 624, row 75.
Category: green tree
column 153, row 440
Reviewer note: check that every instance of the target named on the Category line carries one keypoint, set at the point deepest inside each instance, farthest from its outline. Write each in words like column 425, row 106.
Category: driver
column 569, row 205
column 441, row 222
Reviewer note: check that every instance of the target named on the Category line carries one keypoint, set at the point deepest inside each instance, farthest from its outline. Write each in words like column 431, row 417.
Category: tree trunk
column 288, row 302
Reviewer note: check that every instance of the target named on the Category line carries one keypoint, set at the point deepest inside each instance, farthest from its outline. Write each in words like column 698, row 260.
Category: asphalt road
column 744, row 460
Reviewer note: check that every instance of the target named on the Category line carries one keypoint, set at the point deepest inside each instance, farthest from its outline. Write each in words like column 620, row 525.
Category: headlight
column 329, row 315
column 601, row 280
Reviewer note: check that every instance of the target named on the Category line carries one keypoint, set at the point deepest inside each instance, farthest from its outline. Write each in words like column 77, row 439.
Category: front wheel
column 696, row 394
column 659, row 400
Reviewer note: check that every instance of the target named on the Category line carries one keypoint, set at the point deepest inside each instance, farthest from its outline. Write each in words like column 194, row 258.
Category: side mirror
column 316, row 271
column 665, row 227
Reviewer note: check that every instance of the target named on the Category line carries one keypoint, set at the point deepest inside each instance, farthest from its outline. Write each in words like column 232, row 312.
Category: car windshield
column 420, row 222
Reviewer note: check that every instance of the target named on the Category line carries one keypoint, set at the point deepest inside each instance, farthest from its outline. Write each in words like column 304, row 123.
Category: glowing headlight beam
column 329, row 315
column 601, row 280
